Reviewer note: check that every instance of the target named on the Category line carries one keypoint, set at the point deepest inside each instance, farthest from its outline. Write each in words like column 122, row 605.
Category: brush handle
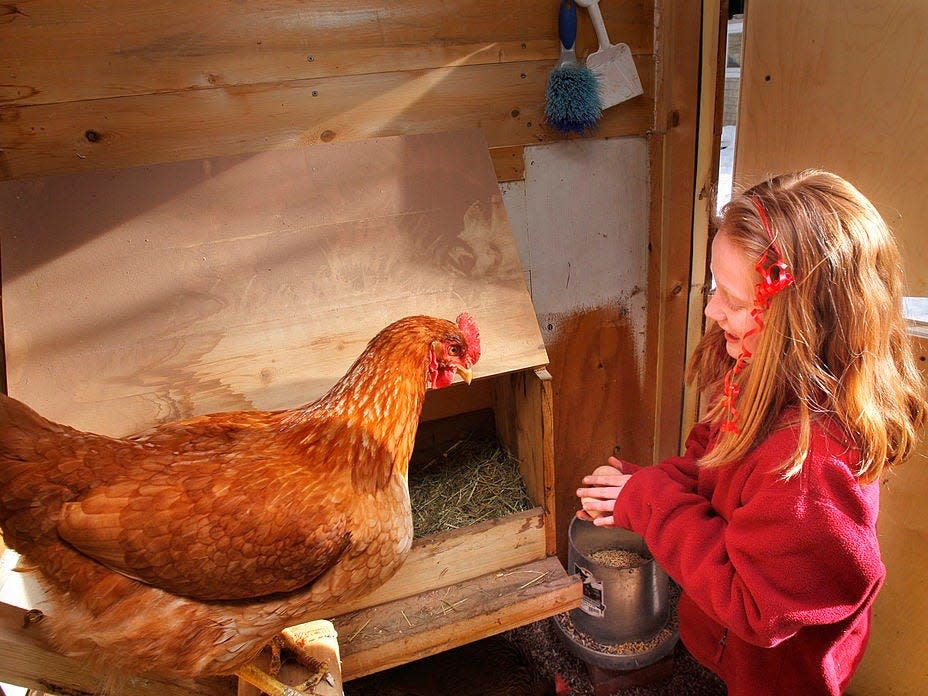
column 567, row 24
column 599, row 26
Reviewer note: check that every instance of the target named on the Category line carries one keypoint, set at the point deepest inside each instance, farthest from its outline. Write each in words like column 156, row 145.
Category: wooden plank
column 26, row 659
column 587, row 230
column 673, row 157
column 864, row 116
column 249, row 282
column 463, row 554
column 175, row 45
column 446, row 617
column 525, row 425
column 458, row 398
column 709, row 136
column 504, row 100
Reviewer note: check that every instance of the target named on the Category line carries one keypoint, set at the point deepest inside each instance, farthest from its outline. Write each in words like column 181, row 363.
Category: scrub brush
column 572, row 102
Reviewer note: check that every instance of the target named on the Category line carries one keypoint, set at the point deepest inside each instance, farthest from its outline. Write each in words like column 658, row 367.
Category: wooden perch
column 26, row 659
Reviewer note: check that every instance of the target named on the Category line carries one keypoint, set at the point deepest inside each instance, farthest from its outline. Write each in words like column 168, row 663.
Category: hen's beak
column 466, row 373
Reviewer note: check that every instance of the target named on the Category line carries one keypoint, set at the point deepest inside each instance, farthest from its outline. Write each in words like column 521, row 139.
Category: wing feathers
column 197, row 544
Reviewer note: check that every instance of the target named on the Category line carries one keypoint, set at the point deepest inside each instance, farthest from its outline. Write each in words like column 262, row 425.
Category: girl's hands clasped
column 600, row 491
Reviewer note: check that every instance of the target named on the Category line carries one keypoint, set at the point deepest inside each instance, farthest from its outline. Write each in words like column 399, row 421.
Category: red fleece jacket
column 778, row 577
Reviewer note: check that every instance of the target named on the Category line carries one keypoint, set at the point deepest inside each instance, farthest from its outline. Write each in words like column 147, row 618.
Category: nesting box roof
column 141, row 295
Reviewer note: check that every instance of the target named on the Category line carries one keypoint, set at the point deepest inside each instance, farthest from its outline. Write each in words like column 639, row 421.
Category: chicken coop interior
column 211, row 206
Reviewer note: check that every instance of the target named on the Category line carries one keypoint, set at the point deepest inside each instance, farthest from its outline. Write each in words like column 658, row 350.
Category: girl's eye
column 728, row 303
column 734, row 307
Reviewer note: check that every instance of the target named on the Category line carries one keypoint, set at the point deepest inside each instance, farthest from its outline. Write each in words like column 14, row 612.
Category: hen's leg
column 263, row 681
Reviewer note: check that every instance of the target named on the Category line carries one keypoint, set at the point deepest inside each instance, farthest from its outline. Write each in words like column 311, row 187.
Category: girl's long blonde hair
column 834, row 345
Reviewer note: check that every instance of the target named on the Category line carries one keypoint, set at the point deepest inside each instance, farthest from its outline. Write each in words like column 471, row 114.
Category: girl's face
column 733, row 299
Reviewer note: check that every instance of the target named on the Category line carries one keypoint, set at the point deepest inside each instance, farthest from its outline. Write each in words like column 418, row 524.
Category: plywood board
column 842, row 87
column 142, row 295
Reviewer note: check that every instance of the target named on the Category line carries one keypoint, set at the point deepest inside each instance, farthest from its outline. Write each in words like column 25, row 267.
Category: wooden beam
column 449, row 557
column 673, row 157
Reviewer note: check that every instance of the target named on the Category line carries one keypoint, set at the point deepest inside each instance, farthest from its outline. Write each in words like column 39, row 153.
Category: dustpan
column 612, row 64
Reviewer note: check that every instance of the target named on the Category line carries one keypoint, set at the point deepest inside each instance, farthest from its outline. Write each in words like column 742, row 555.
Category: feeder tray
column 618, row 657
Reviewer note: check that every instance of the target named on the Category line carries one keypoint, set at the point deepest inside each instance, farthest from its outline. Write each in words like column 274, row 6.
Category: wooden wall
column 108, row 83
column 105, row 84
column 849, row 95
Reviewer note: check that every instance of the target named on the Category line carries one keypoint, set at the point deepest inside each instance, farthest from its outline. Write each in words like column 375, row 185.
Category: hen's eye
column 454, row 350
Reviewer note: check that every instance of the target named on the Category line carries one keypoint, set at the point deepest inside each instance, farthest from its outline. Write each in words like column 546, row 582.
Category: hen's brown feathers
column 235, row 524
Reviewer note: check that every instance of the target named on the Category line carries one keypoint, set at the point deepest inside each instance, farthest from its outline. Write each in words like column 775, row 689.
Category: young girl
column 768, row 521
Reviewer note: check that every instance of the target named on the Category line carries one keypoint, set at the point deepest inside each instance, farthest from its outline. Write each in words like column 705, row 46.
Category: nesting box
column 142, row 295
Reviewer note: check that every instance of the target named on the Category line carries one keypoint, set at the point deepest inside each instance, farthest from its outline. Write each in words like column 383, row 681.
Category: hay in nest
column 473, row 481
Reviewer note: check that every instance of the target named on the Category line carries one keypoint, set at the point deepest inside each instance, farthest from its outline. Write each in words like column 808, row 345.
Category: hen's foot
column 264, row 682
column 315, row 646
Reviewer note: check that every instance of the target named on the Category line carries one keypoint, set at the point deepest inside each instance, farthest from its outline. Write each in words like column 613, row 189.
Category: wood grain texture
column 172, row 45
column 172, row 80
column 452, row 615
column 460, row 555
column 150, row 294
column 606, row 418
column 850, row 96
column 525, row 426
column 504, row 100
column 672, row 199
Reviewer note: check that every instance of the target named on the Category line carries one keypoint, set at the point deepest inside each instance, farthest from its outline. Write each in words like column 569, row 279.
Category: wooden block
column 318, row 641
column 524, row 417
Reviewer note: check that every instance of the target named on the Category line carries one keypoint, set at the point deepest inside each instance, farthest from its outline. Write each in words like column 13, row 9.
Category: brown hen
column 182, row 550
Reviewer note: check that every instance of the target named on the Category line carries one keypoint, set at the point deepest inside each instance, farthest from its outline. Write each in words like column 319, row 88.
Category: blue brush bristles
column 572, row 103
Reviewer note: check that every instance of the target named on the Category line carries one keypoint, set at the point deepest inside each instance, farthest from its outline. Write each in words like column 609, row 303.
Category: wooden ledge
column 392, row 634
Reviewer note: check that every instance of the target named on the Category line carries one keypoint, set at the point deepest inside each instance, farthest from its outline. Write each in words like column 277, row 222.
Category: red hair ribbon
column 775, row 277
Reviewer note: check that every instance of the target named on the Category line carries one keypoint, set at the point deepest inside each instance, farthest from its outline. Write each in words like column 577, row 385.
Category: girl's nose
column 713, row 309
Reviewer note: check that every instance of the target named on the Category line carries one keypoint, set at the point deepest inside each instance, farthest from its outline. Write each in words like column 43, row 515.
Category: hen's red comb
column 468, row 327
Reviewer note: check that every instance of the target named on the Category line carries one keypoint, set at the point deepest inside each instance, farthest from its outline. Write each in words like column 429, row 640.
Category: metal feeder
column 619, row 605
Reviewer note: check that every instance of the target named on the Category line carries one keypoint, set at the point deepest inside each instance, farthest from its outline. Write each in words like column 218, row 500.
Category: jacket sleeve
column 784, row 560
